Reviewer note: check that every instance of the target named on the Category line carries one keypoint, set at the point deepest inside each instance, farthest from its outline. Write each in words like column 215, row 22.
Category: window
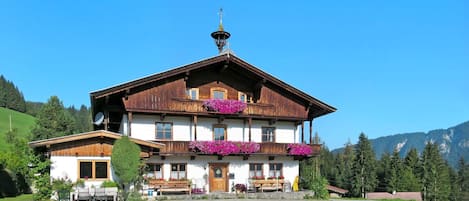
column 192, row 93
column 164, row 130
column 219, row 132
column 255, row 170
column 218, row 93
column 93, row 169
column 268, row 134
column 154, row 171
column 244, row 97
column 275, row 170
column 178, row 171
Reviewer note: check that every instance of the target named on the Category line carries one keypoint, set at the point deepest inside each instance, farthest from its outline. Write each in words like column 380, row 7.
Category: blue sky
column 388, row 66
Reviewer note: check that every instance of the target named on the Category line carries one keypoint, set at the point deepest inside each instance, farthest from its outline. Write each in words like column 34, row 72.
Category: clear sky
column 388, row 66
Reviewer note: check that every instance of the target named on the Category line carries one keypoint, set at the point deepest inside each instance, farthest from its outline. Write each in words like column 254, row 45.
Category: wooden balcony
column 269, row 149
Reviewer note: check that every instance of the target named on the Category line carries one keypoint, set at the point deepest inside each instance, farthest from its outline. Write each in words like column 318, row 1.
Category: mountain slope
column 20, row 121
column 453, row 142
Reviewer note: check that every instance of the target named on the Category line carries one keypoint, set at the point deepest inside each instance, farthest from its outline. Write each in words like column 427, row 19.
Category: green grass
column 24, row 197
column 22, row 122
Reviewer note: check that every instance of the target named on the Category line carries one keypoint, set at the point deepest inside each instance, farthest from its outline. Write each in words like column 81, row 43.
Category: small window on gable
column 243, row 97
column 218, row 93
column 192, row 93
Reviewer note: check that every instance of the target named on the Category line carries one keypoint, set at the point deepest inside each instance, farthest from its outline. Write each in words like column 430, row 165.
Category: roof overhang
column 92, row 134
column 321, row 108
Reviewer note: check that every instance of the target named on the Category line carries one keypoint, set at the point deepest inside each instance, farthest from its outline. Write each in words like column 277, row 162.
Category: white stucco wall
column 67, row 167
column 143, row 127
column 197, row 170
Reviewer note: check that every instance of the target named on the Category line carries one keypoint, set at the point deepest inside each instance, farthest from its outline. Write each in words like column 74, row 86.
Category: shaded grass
column 24, row 197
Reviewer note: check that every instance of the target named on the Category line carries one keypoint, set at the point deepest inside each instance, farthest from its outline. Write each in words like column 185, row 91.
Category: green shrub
column 107, row 184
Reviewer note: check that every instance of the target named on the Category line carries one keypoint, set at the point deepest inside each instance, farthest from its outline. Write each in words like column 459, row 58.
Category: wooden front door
column 218, row 177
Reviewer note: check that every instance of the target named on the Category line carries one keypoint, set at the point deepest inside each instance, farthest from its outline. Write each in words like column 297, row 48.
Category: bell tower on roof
column 220, row 36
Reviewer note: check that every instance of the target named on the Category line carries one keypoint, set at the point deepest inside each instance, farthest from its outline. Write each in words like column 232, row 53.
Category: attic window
column 243, row 97
column 192, row 93
column 218, row 93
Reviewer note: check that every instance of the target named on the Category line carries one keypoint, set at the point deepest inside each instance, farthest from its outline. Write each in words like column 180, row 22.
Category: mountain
column 453, row 143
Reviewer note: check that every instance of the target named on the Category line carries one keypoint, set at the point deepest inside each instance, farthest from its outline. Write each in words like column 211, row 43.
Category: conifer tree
column 435, row 175
column 462, row 181
column 52, row 121
column 364, row 168
column 344, row 167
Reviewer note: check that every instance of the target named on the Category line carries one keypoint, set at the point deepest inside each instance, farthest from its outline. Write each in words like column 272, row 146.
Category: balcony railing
column 271, row 149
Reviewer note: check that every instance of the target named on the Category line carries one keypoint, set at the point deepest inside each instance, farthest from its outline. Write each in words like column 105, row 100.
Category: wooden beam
column 249, row 126
column 311, row 131
column 195, row 127
column 129, row 124
column 302, row 132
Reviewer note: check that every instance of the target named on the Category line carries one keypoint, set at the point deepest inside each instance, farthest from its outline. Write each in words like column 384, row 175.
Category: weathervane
column 221, row 35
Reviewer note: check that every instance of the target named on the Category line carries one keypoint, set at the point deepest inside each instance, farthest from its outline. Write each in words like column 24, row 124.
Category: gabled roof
column 224, row 57
column 92, row 134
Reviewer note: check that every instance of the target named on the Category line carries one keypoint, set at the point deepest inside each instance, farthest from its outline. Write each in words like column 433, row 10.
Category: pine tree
column 52, row 121
column 344, row 166
column 364, row 168
column 384, row 172
column 462, row 181
column 395, row 173
column 435, row 177
column 411, row 171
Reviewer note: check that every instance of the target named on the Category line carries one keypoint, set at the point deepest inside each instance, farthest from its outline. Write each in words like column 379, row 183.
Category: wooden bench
column 269, row 185
column 170, row 186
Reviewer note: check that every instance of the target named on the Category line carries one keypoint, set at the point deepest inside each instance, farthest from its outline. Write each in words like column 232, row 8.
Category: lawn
column 24, row 197
column 20, row 121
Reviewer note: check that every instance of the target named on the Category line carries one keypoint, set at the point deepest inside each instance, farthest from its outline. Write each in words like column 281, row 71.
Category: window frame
column 273, row 137
column 154, row 172
column 275, row 165
column 255, row 170
column 93, row 169
column 214, row 89
column 164, row 133
column 247, row 99
column 178, row 171
column 225, row 133
column 189, row 93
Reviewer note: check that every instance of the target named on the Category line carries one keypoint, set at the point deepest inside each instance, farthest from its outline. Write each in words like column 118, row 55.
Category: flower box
column 224, row 106
column 299, row 149
column 224, row 148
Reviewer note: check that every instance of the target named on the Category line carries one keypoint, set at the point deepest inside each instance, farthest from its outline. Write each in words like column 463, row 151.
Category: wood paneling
column 89, row 147
column 171, row 97
column 182, row 148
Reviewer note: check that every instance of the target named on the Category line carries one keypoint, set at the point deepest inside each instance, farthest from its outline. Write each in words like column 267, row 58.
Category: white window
column 268, row 134
column 178, row 171
column 192, row 93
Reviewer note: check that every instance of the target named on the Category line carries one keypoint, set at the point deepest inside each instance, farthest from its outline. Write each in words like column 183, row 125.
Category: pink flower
column 225, row 106
column 300, row 149
column 224, row 148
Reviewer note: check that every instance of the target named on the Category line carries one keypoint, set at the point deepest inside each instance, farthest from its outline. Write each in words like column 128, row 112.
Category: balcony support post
column 249, row 126
column 195, row 127
column 302, row 132
column 129, row 124
column 311, row 131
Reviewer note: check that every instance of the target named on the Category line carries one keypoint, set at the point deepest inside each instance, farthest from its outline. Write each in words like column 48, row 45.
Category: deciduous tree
column 125, row 160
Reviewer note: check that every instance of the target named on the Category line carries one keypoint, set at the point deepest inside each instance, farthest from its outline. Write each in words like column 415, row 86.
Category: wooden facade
column 95, row 143
column 273, row 149
column 165, row 93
